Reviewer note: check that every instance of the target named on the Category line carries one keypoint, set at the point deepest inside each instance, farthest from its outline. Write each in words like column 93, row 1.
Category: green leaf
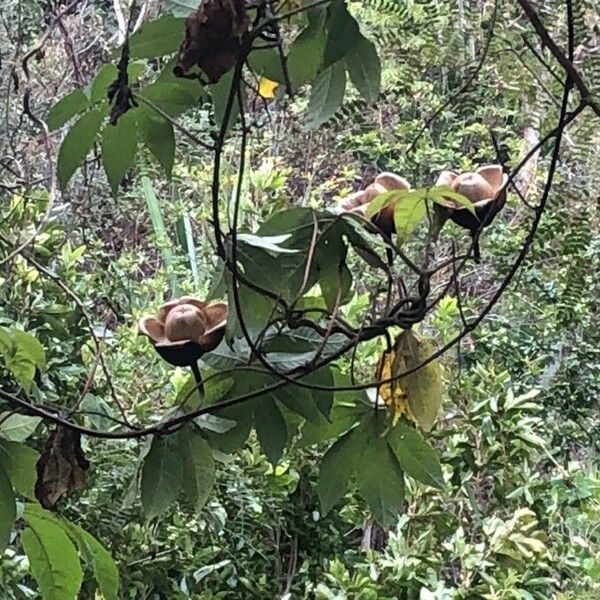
column 17, row 428
column 108, row 74
column 271, row 428
column 53, row 559
column 106, row 572
column 103, row 79
column 343, row 32
column 119, row 144
column 174, row 98
column 158, row 136
column 440, row 193
column 416, row 457
column 364, row 68
column 66, row 108
column 77, row 143
column 327, row 95
column 160, row 231
column 8, row 508
column 198, row 466
column 20, row 461
column 380, row 479
column 219, row 93
column 105, row 569
column 382, row 200
column 306, row 54
column 29, row 347
column 267, row 62
column 338, row 465
column 162, row 476
column 156, row 38
column 409, row 211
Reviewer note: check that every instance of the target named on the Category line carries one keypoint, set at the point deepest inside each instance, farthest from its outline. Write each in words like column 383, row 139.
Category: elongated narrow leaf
column 77, row 143
column 416, row 457
column 8, row 508
column 162, row 476
column 198, row 466
column 66, row 108
column 160, row 232
column 327, row 95
column 337, row 466
column 53, row 559
column 119, row 144
column 105, row 569
column 190, row 246
column 159, row 37
column 364, row 68
column 267, row 242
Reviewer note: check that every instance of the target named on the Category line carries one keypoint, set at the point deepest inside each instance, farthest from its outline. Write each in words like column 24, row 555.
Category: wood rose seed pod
column 485, row 188
column 185, row 329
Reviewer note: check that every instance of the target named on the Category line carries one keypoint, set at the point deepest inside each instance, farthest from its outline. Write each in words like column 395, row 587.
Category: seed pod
column 185, row 329
column 358, row 201
column 213, row 38
column 485, row 188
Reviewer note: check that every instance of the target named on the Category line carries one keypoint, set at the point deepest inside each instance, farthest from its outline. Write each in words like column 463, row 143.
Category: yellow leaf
column 417, row 395
column 266, row 88
column 424, row 388
column 391, row 393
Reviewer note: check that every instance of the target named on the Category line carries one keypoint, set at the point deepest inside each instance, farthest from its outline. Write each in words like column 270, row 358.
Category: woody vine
column 280, row 344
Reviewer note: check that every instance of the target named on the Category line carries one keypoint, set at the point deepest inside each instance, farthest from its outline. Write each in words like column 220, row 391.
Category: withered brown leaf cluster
column 61, row 467
column 213, row 38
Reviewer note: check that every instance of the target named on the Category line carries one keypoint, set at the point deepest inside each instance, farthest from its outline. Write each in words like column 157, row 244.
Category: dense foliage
column 282, row 466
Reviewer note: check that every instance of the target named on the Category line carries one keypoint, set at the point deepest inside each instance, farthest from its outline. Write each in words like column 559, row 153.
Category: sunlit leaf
column 267, row 88
column 53, row 559
column 17, row 428
column 409, row 211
